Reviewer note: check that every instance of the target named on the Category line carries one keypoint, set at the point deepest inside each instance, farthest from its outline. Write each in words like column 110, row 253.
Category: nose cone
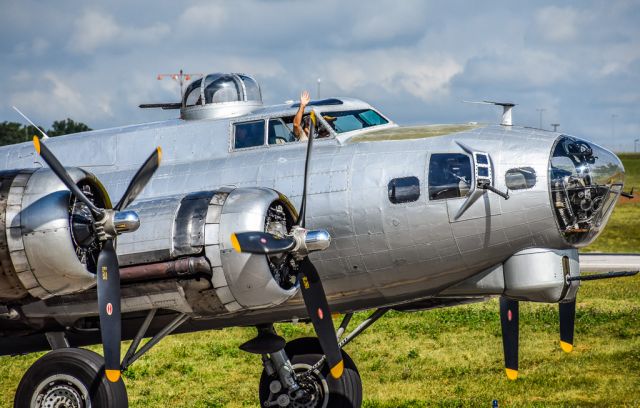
column 585, row 181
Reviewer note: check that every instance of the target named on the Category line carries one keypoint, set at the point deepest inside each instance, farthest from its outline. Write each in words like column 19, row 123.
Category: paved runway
column 596, row 262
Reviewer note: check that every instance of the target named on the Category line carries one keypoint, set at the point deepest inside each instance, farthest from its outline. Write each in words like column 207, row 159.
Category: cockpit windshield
column 347, row 121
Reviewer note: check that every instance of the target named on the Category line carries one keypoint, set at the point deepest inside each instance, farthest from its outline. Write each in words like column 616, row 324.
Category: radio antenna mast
column 181, row 77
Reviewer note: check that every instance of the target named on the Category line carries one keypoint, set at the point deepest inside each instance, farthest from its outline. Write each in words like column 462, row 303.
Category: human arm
column 298, row 131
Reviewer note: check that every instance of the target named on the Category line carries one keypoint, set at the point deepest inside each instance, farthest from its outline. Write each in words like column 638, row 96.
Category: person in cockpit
column 301, row 122
column 302, row 132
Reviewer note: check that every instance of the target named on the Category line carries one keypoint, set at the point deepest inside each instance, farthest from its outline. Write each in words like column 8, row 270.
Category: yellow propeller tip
column 234, row 243
column 159, row 149
column 511, row 374
column 566, row 347
column 36, row 143
column 336, row 371
column 112, row 375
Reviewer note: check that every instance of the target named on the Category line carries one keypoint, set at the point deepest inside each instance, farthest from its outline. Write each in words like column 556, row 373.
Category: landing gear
column 69, row 377
column 316, row 387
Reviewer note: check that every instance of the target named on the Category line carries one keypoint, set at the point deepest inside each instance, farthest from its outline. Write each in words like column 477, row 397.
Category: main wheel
column 322, row 390
column 70, row 378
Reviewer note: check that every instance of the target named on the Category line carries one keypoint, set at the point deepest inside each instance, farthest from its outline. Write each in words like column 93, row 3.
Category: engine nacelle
column 202, row 223
column 244, row 280
column 40, row 247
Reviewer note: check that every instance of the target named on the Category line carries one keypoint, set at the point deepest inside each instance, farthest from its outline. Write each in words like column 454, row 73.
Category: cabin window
column 449, row 175
column 348, row 121
column 404, row 190
column 281, row 131
column 248, row 134
column 520, row 178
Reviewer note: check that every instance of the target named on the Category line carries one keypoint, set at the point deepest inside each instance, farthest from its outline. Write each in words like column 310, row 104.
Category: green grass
column 622, row 233
column 440, row 358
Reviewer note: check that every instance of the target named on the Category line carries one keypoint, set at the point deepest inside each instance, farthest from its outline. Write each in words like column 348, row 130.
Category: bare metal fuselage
column 381, row 253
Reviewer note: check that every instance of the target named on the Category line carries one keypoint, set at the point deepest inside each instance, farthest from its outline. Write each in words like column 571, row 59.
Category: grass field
column 441, row 358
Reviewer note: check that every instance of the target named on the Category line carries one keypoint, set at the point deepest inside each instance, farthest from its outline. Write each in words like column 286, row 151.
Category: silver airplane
column 231, row 221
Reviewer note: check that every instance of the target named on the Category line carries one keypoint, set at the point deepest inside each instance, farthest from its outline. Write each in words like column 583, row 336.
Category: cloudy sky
column 415, row 60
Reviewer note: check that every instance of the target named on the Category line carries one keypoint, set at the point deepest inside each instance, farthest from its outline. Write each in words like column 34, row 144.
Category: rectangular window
column 248, row 134
column 449, row 175
column 404, row 190
column 281, row 132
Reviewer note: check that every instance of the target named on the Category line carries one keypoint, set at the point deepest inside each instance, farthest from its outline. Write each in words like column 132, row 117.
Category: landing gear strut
column 298, row 376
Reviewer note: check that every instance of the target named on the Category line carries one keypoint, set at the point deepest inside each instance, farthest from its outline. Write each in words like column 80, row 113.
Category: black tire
column 73, row 373
column 345, row 392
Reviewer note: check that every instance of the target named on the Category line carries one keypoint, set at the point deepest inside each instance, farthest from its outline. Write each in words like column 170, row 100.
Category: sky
column 573, row 63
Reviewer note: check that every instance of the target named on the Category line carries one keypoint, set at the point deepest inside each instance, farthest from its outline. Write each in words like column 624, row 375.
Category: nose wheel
column 318, row 389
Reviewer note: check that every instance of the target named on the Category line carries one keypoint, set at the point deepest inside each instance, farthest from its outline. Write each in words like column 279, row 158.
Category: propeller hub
column 126, row 221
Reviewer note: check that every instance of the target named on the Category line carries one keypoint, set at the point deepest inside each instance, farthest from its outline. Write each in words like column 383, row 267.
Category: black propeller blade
column 141, row 178
column 108, row 279
column 509, row 320
column 313, row 293
column 567, row 324
column 62, row 174
column 318, row 308
column 255, row 242
column 109, row 308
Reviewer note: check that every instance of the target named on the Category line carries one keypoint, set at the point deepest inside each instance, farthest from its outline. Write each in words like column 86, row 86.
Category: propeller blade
column 567, row 324
column 62, row 174
column 109, row 307
column 141, row 179
column 318, row 309
column 509, row 319
column 303, row 203
column 255, row 242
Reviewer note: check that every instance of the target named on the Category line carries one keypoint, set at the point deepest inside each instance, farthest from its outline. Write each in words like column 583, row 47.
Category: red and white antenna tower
column 181, row 77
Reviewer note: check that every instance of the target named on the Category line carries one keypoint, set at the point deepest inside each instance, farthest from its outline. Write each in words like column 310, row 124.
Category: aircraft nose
column 585, row 181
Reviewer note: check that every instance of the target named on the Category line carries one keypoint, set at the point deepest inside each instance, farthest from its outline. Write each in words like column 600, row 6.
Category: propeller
column 298, row 243
column 109, row 223
column 567, row 324
column 509, row 320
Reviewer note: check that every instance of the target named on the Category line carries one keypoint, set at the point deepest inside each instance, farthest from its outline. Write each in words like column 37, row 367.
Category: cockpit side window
column 347, row 121
column 280, row 132
column 248, row 134
column 449, row 175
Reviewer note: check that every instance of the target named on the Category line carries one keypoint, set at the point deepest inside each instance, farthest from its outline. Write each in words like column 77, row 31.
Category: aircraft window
column 353, row 120
column 222, row 88
column 404, row 190
column 520, row 178
column 449, row 175
column 280, row 132
column 252, row 89
column 248, row 134
column 193, row 94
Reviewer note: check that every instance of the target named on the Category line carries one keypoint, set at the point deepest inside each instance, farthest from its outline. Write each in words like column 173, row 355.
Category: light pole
column 635, row 145
column 555, row 126
column 319, row 81
column 540, row 110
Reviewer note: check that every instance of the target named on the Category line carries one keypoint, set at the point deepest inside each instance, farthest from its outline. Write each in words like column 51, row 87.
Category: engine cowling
column 254, row 281
column 41, row 248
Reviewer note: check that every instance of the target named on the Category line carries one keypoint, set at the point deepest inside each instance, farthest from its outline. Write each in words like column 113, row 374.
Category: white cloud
column 203, row 17
column 560, row 24
column 52, row 97
column 96, row 29
column 396, row 71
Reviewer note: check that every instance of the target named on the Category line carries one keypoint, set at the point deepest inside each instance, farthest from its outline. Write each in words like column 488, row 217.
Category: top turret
column 220, row 95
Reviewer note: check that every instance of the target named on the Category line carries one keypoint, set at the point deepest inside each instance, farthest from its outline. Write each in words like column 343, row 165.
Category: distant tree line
column 13, row 132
